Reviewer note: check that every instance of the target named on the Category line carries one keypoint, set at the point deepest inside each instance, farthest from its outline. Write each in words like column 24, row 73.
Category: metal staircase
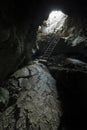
column 50, row 48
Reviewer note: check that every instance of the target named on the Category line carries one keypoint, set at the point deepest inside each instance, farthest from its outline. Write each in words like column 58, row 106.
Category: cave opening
column 49, row 28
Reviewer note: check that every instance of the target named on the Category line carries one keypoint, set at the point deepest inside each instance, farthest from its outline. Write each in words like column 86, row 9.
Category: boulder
column 33, row 100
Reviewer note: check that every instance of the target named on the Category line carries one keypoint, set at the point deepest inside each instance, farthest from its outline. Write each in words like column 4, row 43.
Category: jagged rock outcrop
column 33, row 102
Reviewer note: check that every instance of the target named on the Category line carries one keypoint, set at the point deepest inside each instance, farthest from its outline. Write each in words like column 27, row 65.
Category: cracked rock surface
column 33, row 101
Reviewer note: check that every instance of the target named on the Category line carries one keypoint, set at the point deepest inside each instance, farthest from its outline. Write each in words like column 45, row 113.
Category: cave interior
column 27, row 21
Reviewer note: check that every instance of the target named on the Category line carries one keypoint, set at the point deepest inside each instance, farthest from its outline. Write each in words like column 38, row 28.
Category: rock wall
column 15, row 48
column 71, row 80
column 11, row 50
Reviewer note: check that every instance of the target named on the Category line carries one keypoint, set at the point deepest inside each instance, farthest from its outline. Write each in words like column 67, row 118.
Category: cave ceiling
column 36, row 11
